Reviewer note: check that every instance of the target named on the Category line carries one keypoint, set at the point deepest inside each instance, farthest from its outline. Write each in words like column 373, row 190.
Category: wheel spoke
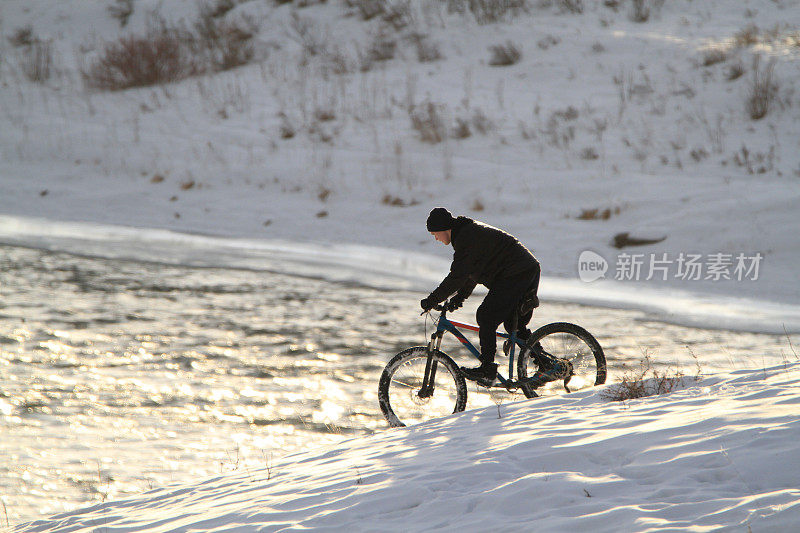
column 402, row 383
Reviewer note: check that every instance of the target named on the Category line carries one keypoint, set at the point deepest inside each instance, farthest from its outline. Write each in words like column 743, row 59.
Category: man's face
column 442, row 236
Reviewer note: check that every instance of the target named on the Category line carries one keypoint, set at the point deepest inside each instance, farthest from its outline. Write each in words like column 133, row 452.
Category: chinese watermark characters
column 663, row 266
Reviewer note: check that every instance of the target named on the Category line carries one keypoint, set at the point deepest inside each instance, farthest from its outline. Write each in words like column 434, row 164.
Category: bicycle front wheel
column 401, row 382
column 565, row 341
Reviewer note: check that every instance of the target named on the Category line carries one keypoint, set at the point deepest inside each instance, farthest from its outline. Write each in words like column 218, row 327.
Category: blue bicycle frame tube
column 446, row 325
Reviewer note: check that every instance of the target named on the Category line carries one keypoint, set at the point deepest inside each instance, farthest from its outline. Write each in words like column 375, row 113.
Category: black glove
column 454, row 303
column 426, row 304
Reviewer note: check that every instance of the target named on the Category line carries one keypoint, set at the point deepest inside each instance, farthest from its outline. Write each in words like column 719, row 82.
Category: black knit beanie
column 440, row 219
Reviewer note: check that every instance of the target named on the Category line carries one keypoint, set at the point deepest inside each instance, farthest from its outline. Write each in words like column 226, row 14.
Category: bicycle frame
column 443, row 325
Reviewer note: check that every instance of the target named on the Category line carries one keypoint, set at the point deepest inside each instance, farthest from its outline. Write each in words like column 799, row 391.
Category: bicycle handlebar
column 438, row 307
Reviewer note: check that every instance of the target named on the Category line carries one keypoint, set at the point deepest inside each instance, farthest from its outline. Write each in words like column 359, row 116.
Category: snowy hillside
column 349, row 120
column 719, row 453
column 652, row 143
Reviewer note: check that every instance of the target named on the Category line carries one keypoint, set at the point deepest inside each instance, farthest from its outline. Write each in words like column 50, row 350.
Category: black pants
column 498, row 307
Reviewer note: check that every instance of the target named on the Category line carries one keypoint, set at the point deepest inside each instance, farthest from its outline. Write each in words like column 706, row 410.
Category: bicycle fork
column 426, row 391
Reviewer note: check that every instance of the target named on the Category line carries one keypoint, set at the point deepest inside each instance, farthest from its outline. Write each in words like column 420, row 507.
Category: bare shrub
column 755, row 162
column 223, row 44
column 734, row 72
column 762, row 90
column 37, row 60
column 304, row 32
column 560, row 128
column 218, row 8
column 427, row 119
column 122, row 11
column 382, row 47
column 747, row 36
column 487, row 11
column 640, row 11
column 398, row 14
column 369, row 9
column 636, row 384
column 714, row 56
column 224, row 96
column 793, row 39
column 461, row 129
column 478, row 122
column 481, row 122
column 778, row 35
column 160, row 56
column 170, row 53
column 287, row 128
column 22, row 37
column 571, row 6
column 597, row 213
column 337, row 61
column 548, row 41
column 427, row 51
column 324, row 114
column 589, row 154
column 504, row 55
column 569, row 113
column 396, row 201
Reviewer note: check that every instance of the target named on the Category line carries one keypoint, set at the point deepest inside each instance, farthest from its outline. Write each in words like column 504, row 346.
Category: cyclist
column 489, row 256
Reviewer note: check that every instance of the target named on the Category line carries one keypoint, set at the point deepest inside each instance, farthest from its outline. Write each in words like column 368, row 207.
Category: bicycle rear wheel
column 401, row 381
column 565, row 341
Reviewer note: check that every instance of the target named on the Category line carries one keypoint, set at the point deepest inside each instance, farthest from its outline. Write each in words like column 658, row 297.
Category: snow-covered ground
column 604, row 126
column 717, row 454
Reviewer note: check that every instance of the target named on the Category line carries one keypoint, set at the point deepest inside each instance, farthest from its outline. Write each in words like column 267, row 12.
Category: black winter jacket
column 482, row 255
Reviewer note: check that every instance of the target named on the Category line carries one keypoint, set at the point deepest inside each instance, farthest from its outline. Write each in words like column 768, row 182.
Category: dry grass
column 428, row 120
column 598, row 213
column 159, row 56
column 747, row 36
column 305, row 32
column 713, row 56
column 734, row 72
column 225, row 44
column 647, row 381
column 168, row 53
column 287, row 128
column 36, row 61
column 589, row 154
column 504, row 55
column 22, row 37
column 395, row 201
column 640, row 11
column 382, row 47
column 487, row 11
column 369, row 9
column 122, row 11
column 427, row 51
column 763, row 90
column 571, row 6
column 779, row 35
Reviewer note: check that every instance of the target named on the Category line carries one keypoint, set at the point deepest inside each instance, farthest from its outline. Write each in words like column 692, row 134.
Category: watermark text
column 663, row 266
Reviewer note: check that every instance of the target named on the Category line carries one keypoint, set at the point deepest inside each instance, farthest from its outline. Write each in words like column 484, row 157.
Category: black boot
column 484, row 374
